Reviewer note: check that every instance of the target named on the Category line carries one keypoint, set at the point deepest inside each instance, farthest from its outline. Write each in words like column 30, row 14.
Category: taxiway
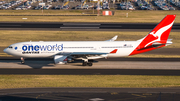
column 80, row 26
column 91, row 94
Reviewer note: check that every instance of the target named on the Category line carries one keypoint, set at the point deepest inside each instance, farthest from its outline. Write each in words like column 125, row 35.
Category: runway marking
column 147, row 94
column 127, row 99
column 114, row 93
column 80, row 24
column 138, row 95
column 41, row 95
column 96, row 99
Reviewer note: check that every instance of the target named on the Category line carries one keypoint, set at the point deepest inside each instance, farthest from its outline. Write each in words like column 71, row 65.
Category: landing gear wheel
column 84, row 64
column 89, row 64
column 22, row 60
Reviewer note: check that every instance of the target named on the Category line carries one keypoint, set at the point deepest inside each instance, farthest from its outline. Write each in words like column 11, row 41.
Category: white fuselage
column 51, row 48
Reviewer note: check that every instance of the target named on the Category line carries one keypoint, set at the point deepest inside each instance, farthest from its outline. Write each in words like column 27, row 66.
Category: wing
column 87, row 55
column 113, row 39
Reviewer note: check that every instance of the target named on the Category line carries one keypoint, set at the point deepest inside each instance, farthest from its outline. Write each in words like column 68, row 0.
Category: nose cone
column 5, row 50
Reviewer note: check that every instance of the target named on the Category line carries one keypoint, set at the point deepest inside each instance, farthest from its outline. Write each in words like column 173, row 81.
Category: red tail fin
column 158, row 35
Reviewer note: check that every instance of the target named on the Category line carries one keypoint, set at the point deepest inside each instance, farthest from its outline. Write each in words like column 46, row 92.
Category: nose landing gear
column 22, row 60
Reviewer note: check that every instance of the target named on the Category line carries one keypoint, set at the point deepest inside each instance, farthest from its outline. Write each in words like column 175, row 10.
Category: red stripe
column 114, row 51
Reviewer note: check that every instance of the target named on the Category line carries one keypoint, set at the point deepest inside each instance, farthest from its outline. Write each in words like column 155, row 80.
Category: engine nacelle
column 60, row 59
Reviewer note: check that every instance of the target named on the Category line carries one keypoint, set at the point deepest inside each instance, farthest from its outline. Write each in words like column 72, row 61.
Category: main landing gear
column 22, row 60
column 87, row 63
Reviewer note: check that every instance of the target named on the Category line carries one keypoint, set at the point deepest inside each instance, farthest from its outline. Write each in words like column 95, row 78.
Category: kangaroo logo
column 158, row 33
column 152, row 33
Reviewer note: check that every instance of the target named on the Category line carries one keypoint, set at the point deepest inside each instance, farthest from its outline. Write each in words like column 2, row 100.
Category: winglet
column 114, row 51
column 113, row 39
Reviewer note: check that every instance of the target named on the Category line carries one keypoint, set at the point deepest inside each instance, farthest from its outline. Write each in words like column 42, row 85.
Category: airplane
column 68, row 51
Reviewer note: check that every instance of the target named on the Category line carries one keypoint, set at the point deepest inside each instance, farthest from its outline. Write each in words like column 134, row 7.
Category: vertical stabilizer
column 157, row 37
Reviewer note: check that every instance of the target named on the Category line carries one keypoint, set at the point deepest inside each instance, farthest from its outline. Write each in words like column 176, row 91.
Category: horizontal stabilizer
column 169, row 42
column 157, row 44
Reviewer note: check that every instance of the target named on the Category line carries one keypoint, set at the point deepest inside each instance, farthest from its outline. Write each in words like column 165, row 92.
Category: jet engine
column 60, row 59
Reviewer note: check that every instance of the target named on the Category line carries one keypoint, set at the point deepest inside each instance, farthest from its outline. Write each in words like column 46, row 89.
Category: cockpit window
column 10, row 47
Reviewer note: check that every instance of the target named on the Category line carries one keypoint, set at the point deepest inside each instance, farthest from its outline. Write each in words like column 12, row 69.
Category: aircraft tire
column 89, row 63
column 84, row 64
column 22, row 62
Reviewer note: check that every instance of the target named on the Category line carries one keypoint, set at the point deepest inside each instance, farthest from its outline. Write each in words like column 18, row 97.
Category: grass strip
column 24, row 81
column 140, row 16
column 5, row 55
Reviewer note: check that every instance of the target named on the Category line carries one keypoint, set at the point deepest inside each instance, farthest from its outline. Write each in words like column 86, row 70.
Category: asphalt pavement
column 90, row 94
column 39, row 67
column 79, row 26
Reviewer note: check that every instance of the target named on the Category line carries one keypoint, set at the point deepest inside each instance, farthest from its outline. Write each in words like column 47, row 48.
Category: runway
column 79, row 26
column 91, row 94
column 100, row 68
column 111, row 66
